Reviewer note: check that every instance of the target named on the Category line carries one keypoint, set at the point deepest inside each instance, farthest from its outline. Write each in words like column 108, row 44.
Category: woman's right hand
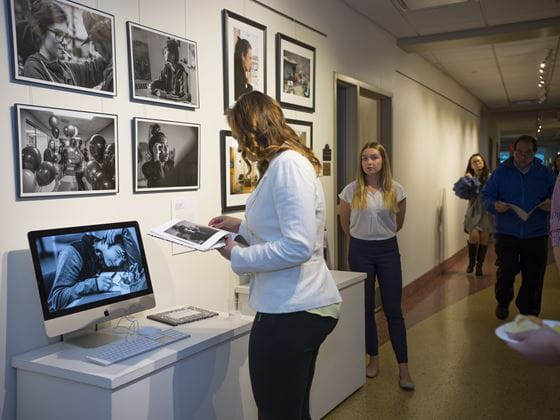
column 231, row 224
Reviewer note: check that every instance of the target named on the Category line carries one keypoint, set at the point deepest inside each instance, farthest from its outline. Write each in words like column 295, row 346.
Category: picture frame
column 173, row 163
column 304, row 130
column 244, row 56
column 163, row 67
column 65, row 152
column 236, row 185
column 83, row 41
column 295, row 73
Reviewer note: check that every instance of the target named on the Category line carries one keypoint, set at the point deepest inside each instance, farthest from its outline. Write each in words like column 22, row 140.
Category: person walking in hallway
column 518, row 195
column 543, row 345
column 372, row 210
column 478, row 222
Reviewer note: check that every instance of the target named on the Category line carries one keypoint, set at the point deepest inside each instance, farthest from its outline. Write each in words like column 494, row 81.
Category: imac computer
column 90, row 274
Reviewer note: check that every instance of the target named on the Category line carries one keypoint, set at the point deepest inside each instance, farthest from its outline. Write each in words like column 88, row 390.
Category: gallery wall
column 435, row 130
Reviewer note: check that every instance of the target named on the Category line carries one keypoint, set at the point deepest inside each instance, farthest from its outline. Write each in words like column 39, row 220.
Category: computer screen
column 90, row 274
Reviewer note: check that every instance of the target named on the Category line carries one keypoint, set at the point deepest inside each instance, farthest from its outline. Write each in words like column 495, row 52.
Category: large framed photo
column 66, row 152
column 304, row 130
column 244, row 48
column 237, row 181
column 163, row 67
column 63, row 44
column 295, row 74
column 167, row 155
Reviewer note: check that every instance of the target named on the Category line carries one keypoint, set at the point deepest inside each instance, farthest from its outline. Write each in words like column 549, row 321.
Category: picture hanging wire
column 266, row 6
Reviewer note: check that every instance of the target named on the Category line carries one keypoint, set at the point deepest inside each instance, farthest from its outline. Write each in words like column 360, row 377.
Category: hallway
column 461, row 369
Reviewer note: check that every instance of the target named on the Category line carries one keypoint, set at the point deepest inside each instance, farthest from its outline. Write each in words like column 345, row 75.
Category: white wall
column 432, row 139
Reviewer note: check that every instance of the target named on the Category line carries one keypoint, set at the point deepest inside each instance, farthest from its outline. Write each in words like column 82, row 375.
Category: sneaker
column 502, row 312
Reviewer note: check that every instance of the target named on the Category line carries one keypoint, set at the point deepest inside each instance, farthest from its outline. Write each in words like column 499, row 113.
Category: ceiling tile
column 451, row 18
column 385, row 15
column 499, row 12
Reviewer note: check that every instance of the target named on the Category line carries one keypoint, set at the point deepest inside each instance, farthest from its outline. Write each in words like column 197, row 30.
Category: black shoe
column 478, row 271
column 470, row 268
column 502, row 312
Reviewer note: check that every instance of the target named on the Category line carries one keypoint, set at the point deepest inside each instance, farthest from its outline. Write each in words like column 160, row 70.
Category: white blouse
column 284, row 225
column 375, row 222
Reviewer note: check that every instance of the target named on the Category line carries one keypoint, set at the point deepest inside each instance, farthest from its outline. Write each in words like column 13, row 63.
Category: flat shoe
column 406, row 384
column 371, row 372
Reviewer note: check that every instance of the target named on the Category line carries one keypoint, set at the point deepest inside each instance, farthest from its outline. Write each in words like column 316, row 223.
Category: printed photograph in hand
column 164, row 67
column 86, row 267
column 64, row 152
column 191, row 232
column 64, row 44
column 167, row 155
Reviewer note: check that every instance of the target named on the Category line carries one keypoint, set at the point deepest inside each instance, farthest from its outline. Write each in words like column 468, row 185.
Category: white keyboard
column 115, row 352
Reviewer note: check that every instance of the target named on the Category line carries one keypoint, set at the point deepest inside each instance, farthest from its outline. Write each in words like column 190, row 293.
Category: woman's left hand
column 226, row 250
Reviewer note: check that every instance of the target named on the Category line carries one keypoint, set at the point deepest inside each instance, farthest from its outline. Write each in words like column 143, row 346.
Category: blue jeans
column 381, row 259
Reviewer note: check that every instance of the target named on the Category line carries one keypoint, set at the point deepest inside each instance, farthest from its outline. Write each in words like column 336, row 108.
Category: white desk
column 340, row 369
column 203, row 377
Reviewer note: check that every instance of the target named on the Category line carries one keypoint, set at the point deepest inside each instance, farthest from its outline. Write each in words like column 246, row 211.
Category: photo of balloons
column 29, row 183
column 53, row 122
column 82, row 161
column 45, row 174
column 30, row 158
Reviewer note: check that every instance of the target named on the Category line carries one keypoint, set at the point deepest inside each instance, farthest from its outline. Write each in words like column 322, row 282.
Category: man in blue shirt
column 521, row 183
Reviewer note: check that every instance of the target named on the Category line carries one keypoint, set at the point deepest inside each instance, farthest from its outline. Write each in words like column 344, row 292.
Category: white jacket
column 285, row 219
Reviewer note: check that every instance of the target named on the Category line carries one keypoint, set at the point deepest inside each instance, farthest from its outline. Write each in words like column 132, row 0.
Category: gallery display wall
column 432, row 137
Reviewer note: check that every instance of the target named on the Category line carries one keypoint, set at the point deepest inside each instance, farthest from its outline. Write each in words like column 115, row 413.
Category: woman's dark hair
column 156, row 136
column 556, row 163
column 242, row 46
column 485, row 171
column 172, row 46
column 33, row 19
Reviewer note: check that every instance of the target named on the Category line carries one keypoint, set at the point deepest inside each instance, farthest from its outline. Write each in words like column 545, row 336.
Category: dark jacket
column 526, row 191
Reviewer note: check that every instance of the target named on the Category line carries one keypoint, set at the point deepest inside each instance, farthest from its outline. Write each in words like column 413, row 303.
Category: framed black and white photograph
column 167, row 155
column 66, row 152
column 63, row 44
column 244, row 48
column 163, row 67
column 295, row 74
column 304, row 130
column 237, row 181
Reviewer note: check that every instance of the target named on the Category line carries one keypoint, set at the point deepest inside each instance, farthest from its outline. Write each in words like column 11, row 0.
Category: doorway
column 363, row 114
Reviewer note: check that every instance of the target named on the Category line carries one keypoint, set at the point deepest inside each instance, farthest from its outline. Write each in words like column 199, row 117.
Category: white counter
column 205, row 376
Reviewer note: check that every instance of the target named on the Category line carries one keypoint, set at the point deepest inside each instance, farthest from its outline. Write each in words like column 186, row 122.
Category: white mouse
column 149, row 330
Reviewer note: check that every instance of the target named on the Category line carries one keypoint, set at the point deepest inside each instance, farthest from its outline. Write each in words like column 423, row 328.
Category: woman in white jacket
column 292, row 290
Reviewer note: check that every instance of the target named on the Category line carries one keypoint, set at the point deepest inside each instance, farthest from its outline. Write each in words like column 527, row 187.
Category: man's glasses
column 59, row 35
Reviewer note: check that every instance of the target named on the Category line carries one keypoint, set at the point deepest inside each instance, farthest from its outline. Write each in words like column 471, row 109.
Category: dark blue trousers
column 381, row 259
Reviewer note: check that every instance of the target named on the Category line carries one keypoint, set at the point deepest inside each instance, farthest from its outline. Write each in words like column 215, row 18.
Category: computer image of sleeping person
column 93, row 266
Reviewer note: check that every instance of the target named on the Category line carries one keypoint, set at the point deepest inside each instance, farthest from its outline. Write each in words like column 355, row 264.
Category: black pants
column 528, row 256
column 381, row 259
column 283, row 349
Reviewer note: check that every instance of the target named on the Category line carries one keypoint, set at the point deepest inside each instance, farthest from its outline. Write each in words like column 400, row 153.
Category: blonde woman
column 292, row 290
column 372, row 210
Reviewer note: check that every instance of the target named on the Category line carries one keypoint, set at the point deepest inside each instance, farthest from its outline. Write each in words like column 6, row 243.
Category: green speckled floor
column 462, row 370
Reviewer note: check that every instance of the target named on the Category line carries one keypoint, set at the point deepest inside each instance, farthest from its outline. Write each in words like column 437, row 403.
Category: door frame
column 349, row 130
